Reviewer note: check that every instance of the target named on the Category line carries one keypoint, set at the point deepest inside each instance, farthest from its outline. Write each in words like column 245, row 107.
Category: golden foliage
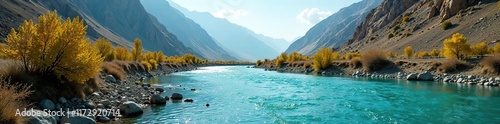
column 434, row 52
column 390, row 54
column 121, row 53
column 258, row 63
column 147, row 65
column 408, row 51
column 480, row 49
column 54, row 47
column 279, row 60
column 406, row 18
column 137, row 50
column 455, row 47
column 189, row 58
column 105, row 49
column 295, row 56
column 323, row 58
column 284, row 56
column 350, row 56
column 153, row 58
column 496, row 48
column 2, row 47
column 12, row 98
column 446, row 24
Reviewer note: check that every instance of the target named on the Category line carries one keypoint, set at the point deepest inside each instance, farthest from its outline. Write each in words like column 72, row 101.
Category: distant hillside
column 335, row 30
column 233, row 37
column 187, row 31
column 117, row 20
column 422, row 28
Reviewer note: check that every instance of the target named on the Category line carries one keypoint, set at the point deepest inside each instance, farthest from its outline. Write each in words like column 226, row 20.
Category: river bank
column 423, row 70
column 116, row 98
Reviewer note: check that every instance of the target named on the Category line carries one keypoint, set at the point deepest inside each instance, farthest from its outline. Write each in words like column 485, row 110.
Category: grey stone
column 157, row 99
column 103, row 119
column 176, row 96
column 426, row 76
column 106, row 102
column 62, row 100
column 89, row 104
column 130, row 109
column 46, row 104
column 77, row 120
column 40, row 119
column 159, row 90
column 110, row 79
column 188, row 100
column 412, row 76
column 460, row 80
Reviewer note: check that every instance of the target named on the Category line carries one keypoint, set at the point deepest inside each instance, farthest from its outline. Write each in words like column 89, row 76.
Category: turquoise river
column 237, row 94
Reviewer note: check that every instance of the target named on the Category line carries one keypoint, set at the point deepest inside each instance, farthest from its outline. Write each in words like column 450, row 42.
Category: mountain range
column 335, row 30
column 187, row 31
column 238, row 39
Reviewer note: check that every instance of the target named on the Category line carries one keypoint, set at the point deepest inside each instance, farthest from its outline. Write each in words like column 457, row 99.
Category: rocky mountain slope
column 187, row 31
column 335, row 30
column 235, row 38
column 386, row 27
column 119, row 21
column 12, row 14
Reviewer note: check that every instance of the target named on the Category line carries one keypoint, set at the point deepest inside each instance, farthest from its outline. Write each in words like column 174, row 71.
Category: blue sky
column 287, row 19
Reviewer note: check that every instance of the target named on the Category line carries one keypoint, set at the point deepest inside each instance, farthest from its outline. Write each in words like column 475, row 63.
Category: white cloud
column 230, row 13
column 312, row 15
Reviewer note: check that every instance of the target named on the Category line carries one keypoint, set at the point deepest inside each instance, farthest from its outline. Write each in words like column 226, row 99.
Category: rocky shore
column 389, row 73
column 127, row 97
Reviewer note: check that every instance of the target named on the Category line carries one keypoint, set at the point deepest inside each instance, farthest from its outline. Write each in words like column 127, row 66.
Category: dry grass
column 114, row 69
column 12, row 97
column 137, row 67
column 491, row 65
column 355, row 63
column 12, row 70
column 453, row 65
column 374, row 60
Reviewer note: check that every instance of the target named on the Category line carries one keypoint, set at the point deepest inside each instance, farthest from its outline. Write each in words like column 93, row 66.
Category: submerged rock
column 157, row 99
column 188, row 100
column 176, row 96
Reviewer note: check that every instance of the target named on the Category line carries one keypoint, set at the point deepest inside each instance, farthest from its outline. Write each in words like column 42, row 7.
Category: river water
column 237, row 94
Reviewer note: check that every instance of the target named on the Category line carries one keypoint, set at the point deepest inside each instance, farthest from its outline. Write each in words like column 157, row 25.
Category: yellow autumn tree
column 54, row 47
column 496, row 48
column 434, row 52
column 323, row 58
column 121, row 53
column 408, row 51
column 390, row 54
column 2, row 47
column 105, row 48
column 295, row 56
column 456, row 46
column 480, row 49
column 137, row 50
column 189, row 58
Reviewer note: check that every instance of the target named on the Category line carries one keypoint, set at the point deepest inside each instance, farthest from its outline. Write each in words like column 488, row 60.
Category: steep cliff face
column 335, row 30
column 396, row 24
column 126, row 19
column 187, row 31
column 380, row 17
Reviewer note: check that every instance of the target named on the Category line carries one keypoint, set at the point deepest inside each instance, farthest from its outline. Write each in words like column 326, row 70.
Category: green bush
column 446, row 24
